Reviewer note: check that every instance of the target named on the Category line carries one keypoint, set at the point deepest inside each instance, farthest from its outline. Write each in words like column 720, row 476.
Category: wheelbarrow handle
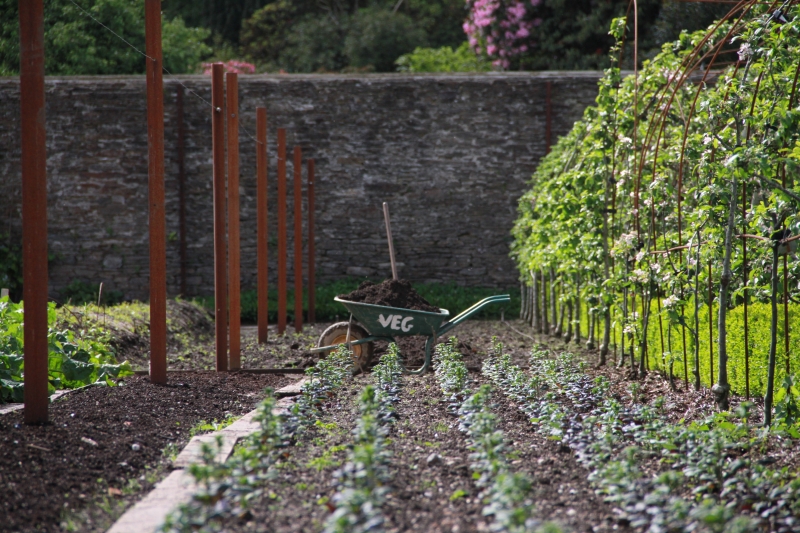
column 461, row 317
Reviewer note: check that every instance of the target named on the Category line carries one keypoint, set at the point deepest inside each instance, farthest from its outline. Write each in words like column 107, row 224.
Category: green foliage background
column 77, row 45
column 443, row 59
column 73, row 360
column 597, row 175
column 448, row 296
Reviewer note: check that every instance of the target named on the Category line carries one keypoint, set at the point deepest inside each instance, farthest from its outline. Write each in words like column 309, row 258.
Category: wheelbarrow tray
column 385, row 321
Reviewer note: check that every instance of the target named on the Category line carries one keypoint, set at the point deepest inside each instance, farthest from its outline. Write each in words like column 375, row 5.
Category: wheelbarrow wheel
column 337, row 334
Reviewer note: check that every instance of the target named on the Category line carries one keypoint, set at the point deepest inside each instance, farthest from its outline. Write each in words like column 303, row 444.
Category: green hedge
column 759, row 317
column 446, row 295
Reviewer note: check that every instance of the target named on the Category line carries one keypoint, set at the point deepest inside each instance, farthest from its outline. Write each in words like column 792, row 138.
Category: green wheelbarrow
column 383, row 323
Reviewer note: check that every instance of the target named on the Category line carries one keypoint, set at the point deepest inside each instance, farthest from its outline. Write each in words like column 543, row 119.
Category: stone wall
column 450, row 153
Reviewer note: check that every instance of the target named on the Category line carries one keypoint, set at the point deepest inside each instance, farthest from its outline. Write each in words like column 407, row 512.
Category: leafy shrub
column 316, row 44
column 377, row 37
column 264, row 35
column 77, row 45
column 72, row 361
column 10, row 266
column 443, row 59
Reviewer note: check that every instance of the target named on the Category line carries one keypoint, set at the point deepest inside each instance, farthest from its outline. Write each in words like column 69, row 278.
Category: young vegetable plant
column 362, row 480
column 227, row 489
column 711, row 475
column 506, row 494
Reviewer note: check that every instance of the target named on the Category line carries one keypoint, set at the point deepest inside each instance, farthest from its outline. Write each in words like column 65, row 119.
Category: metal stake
column 34, row 208
column 220, row 248
column 281, row 230
column 298, row 239
column 234, row 270
column 262, row 247
column 312, row 316
column 158, row 222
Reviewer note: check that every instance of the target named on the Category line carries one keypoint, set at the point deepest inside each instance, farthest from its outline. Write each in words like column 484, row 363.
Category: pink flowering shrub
column 502, row 29
column 236, row 66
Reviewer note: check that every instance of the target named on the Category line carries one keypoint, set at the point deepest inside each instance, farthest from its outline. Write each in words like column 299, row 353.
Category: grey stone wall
column 450, row 153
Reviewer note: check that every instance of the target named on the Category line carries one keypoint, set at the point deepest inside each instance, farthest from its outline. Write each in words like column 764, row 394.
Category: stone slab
column 148, row 515
column 193, row 452
column 290, row 390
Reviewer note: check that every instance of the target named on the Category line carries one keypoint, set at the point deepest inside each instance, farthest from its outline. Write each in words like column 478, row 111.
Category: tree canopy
column 77, row 45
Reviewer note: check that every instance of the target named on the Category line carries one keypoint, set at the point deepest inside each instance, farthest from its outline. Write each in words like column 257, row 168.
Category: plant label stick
column 389, row 237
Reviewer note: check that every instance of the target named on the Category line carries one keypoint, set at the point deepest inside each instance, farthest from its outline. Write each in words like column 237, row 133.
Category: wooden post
column 262, row 246
column 389, row 238
column 181, row 188
column 34, row 207
column 234, row 270
column 298, row 239
column 282, row 248
column 220, row 249
column 312, row 317
column 158, row 230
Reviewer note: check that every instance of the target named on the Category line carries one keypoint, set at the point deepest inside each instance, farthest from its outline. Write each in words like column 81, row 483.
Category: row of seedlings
column 506, row 494
column 362, row 482
column 226, row 489
column 705, row 476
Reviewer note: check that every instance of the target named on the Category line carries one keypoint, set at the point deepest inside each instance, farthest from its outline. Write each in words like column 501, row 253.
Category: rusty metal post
column 34, row 207
column 158, row 223
column 312, row 297
column 262, row 233
column 282, row 235
column 181, row 188
column 220, row 249
column 298, row 239
column 234, row 271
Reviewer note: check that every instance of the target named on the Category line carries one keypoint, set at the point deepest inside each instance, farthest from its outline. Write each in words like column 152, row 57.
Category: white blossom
column 745, row 52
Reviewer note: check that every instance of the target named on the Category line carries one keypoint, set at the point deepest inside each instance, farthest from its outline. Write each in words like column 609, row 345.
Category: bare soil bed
column 106, row 446
column 52, row 474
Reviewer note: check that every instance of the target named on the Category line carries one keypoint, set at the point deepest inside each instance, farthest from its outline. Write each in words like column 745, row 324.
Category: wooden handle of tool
column 389, row 237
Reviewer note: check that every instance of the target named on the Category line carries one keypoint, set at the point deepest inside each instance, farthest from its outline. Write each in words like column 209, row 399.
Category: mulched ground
column 109, row 441
column 52, row 475
column 430, row 464
column 561, row 490
column 298, row 498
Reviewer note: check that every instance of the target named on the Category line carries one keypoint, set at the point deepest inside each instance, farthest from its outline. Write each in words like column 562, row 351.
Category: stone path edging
column 148, row 515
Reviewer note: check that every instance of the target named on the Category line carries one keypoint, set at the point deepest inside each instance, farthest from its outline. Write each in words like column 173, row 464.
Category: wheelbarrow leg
column 426, row 365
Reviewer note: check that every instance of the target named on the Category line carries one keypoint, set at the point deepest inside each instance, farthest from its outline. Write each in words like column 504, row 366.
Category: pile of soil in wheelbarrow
column 390, row 293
